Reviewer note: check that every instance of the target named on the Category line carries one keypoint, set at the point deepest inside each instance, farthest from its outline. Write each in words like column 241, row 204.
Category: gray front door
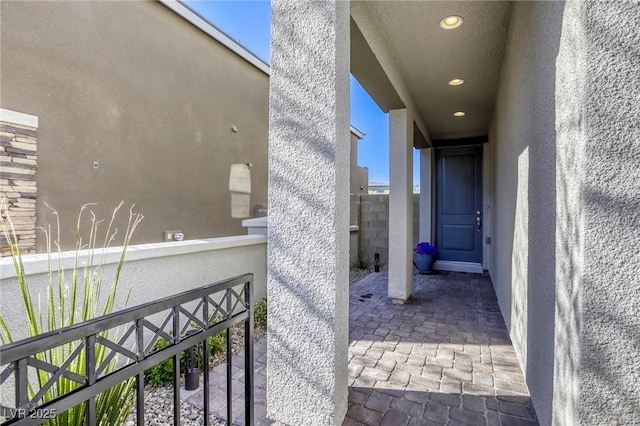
column 459, row 204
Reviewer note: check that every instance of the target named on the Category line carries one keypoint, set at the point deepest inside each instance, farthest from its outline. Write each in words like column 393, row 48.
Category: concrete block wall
column 374, row 223
column 374, row 226
column 18, row 189
column 354, row 231
column 354, row 217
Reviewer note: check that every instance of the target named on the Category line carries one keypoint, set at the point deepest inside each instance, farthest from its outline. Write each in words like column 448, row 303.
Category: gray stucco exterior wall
column 609, row 388
column 569, row 212
column 523, row 143
column 564, row 253
column 147, row 95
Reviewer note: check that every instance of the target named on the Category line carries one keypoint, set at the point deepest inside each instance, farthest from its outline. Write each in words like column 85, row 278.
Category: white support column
column 426, row 171
column 400, row 205
column 308, row 236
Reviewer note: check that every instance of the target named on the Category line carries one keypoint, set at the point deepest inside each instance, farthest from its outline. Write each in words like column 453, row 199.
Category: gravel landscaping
column 159, row 400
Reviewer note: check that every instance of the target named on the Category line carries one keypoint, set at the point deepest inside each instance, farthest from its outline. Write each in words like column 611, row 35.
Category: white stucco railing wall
column 151, row 271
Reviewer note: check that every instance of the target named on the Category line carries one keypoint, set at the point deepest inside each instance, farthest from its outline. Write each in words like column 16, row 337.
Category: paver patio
column 443, row 358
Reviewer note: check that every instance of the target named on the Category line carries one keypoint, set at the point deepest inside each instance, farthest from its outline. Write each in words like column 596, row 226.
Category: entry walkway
column 443, row 358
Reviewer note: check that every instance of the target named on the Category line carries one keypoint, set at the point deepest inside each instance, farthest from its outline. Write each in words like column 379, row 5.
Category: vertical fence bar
column 140, row 377
column 206, row 378
column 176, row 368
column 140, row 399
column 90, row 368
column 248, row 355
column 229, row 356
column 205, row 361
column 22, row 384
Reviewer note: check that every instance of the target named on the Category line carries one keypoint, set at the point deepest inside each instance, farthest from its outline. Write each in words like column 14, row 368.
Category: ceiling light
column 459, row 113
column 451, row 22
column 456, row 82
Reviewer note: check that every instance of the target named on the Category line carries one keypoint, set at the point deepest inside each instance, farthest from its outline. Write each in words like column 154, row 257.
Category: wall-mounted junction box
column 175, row 235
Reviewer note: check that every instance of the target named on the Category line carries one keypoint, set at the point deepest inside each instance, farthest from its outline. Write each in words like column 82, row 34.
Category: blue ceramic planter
column 424, row 262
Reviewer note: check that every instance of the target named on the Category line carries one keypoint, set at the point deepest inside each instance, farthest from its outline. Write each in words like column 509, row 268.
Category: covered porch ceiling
column 404, row 59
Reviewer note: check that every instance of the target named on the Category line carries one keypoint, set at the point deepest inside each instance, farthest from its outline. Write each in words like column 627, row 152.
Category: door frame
column 461, row 266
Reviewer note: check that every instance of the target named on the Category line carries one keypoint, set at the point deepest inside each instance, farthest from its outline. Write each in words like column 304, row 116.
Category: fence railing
column 183, row 321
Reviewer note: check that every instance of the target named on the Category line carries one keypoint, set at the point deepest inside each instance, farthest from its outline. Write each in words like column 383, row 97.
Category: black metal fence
column 189, row 319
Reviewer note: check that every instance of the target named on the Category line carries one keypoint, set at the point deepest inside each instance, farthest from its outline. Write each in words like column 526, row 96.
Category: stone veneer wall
column 18, row 189
column 374, row 223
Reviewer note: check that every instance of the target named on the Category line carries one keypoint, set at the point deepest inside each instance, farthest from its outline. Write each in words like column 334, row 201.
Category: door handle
column 478, row 222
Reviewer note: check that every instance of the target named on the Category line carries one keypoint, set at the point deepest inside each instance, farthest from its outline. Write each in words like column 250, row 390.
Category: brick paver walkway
column 443, row 358
column 218, row 388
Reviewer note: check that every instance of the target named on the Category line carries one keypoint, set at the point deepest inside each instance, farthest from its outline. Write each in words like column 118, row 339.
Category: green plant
column 71, row 300
column 361, row 262
column 162, row 374
column 260, row 314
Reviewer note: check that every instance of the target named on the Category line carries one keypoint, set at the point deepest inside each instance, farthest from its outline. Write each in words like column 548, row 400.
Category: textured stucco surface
column 400, row 204
column 609, row 388
column 598, row 294
column 308, row 237
column 570, row 116
column 565, row 207
column 146, row 94
column 522, row 193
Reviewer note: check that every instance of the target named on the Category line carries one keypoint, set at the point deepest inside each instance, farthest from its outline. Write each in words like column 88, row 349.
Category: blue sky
column 249, row 22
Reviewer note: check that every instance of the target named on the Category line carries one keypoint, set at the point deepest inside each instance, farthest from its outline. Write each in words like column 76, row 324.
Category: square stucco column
column 400, row 205
column 308, row 236
column 426, row 174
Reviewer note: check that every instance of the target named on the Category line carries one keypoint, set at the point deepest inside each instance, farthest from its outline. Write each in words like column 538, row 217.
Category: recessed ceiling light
column 456, row 82
column 451, row 22
column 459, row 113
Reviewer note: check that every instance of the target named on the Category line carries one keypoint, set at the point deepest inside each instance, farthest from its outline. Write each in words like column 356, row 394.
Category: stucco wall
column 150, row 97
column 151, row 272
column 564, row 258
column 359, row 176
column 522, row 193
column 609, row 184
column 308, row 256
column 359, row 180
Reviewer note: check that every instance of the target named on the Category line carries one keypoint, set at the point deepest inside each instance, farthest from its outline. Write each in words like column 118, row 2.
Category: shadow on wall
column 542, row 199
column 609, row 287
column 609, row 324
column 308, row 187
column 525, row 189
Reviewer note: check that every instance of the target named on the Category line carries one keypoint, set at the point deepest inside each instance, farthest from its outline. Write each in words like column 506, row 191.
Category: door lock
column 478, row 221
